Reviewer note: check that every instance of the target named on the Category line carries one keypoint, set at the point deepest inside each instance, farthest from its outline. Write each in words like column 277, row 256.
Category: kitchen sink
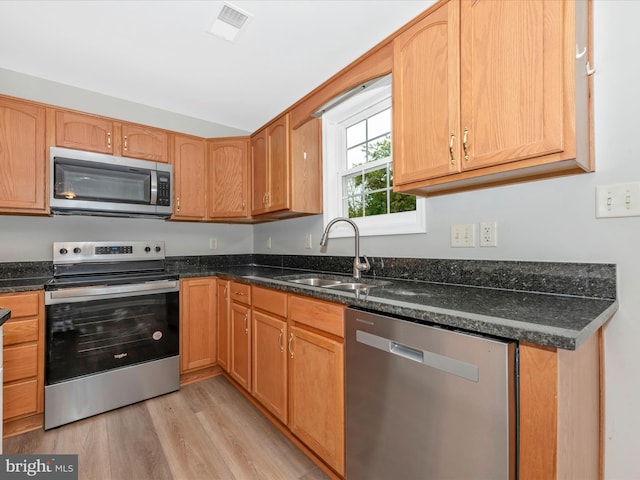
column 351, row 286
column 317, row 282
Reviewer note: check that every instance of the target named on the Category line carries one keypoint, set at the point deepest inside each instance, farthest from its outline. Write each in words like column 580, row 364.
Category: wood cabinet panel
column 20, row 399
column 145, row 143
column 23, row 167
column 269, row 363
column 228, row 161
column 306, row 167
column 20, row 361
column 269, row 300
column 241, row 293
column 240, row 368
column 223, row 333
column 190, row 178
column 278, row 148
column 426, row 94
column 84, row 132
column 20, row 331
column 316, row 407
column 259, row 172
column 21, row 305
column 197, row 323
column 325, row 316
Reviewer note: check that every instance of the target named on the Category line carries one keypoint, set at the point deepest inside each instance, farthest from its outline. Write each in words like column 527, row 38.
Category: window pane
column 354, row 207
column 357, row 134
column 353, row 185
column 376, row 180
column 375, row 204
column 379, row 148
column 402, row 203
column 356, row 156
column 380, row 124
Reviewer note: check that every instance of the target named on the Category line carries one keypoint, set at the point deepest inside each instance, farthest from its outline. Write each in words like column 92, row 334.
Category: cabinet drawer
column 20, row 331
column 21, row 305
column 271, row 301
column 20, row 399
column 325, row 316
column 20, row 362
column 241, row 293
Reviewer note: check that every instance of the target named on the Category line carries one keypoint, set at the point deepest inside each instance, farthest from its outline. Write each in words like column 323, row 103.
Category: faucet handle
column 364, row 266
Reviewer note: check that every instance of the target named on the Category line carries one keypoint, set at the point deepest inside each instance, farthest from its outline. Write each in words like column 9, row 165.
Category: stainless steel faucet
column 358, row 266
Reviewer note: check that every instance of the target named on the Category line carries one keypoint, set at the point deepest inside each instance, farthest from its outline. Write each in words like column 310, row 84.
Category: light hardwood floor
column 207, row 430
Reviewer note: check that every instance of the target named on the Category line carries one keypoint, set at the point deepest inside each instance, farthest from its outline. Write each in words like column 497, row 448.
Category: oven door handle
column 79, row 294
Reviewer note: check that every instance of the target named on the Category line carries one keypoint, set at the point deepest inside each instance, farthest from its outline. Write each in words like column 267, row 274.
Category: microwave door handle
column 154, row 188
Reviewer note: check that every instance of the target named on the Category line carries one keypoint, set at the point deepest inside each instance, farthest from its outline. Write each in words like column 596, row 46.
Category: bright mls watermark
column 50, row 467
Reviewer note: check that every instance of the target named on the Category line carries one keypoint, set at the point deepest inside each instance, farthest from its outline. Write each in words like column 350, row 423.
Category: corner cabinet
column 286, row 167
column 23, row 158
column 188, row 157
column 197, row 323
column 491, row 92
column 228, row 162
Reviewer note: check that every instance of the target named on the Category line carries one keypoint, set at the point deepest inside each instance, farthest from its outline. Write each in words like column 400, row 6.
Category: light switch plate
column 619, row 200
column 463, row 235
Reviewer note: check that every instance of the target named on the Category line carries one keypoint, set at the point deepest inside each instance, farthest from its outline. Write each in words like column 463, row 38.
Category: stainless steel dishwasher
column 425, row 403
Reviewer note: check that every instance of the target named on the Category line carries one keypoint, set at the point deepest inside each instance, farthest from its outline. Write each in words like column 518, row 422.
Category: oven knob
column 76, row 250
column 63, row 251
column 147, row 249
column 158, row 249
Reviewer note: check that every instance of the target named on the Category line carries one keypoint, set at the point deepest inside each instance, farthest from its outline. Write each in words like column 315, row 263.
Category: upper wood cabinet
column 189, row 178
column 270, row 167
column 197, row 323
column 488, row 92
column 146, row 143
column 23, row 157
column 228, row 162
column 82, row 131
column 287, row 169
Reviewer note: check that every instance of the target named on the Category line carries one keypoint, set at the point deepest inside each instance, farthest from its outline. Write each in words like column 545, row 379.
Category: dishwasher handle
column 450, row 365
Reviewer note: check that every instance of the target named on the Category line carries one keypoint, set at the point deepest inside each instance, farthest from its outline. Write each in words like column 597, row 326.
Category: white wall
column 552, row 220
column 30, row 238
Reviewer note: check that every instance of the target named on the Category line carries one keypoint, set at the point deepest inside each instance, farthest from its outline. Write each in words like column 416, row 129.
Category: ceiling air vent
column 229, row 21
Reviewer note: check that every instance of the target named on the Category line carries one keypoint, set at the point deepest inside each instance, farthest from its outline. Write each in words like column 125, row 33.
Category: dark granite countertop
column 5, row 314
column 561, row 321
column 551, row 304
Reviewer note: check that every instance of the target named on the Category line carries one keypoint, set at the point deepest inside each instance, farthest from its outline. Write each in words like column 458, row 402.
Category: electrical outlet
column 213, row 243
column 488, row 234
column 620, row 200
column 463, row 235
column 308, row 240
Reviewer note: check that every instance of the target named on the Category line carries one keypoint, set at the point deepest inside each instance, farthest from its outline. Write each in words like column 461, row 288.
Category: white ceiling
column 158, row 53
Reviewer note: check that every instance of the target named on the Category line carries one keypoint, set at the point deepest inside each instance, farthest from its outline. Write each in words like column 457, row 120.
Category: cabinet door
column 22, row 157
column 145, row 143
column 269, row 364
column 512, row 80
column 84, row 132
column 223, row 333
column 278, row 152
column 228, row 178
column 241, row 345
column 426, row 96
column 197, row 323
column 259, row 172
column 306, row 167
column 316, row 394
column 189, row 177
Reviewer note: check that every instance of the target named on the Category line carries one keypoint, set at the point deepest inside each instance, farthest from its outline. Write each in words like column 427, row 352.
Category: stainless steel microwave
column 97, row 184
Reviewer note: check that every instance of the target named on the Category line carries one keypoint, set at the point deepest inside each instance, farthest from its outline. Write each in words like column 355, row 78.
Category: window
column 358, row 167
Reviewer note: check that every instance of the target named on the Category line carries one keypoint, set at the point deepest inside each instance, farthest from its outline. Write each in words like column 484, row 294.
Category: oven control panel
column 79, row 252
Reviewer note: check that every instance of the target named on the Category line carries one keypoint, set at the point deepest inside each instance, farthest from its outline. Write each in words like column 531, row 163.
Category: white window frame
column 334, row 123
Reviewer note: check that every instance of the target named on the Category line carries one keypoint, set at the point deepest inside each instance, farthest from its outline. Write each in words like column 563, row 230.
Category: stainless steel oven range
column 112, row 323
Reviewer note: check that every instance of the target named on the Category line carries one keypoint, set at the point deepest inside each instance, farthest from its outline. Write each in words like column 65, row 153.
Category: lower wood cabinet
column 197, row 323
column 222, row 334
column 23, row 355
column 240, row 333
column 269, row 357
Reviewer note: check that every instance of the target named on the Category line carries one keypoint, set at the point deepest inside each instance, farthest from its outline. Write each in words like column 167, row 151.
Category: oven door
column 95, row 329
